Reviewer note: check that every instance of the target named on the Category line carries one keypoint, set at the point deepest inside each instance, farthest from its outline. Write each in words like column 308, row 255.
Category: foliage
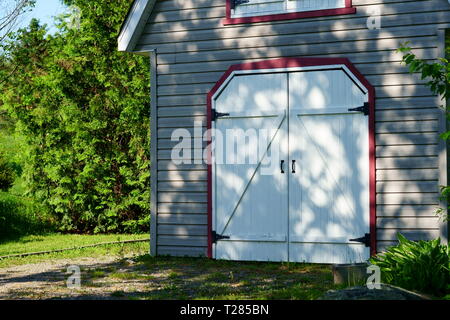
column 6, row 174
column 20, row 217
column 422, row 265
column 438, row 75
column 83, row 110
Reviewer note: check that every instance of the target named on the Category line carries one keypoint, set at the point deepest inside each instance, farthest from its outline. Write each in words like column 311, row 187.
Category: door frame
column 282, row 65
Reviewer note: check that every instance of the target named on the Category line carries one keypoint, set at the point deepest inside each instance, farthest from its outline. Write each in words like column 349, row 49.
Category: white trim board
column 134, row 24
column 289, row 69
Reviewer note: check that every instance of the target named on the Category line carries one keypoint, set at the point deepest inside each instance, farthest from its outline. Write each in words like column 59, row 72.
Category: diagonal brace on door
column 283, row 117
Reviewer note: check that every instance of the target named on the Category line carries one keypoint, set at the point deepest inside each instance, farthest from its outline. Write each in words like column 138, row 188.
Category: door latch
column 216, row 237
column 365, row 239
column 364, row 109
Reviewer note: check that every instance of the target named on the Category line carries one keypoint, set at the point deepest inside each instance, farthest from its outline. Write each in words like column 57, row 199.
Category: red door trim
column 288, row 16
column 286, row 63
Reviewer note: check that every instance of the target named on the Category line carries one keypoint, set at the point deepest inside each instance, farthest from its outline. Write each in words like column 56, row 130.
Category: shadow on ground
column 146, row 277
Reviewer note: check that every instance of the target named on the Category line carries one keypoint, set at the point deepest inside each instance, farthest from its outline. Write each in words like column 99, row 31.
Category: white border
column 289, row 69
column 134, row 24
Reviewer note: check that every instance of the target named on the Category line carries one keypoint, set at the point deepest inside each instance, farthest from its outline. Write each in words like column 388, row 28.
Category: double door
column 290, row 171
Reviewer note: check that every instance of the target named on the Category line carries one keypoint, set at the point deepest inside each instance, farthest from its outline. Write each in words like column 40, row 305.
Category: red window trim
column 286, row 63
column 288, row 16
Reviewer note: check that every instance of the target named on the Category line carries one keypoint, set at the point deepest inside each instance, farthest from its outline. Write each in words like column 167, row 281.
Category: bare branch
column 10, row 11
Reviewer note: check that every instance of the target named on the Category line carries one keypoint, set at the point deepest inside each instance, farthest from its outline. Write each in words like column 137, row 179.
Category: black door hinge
column 235, row 3
column 364, row 109
column 216, row 115
column 365, row 239
column 216, row 237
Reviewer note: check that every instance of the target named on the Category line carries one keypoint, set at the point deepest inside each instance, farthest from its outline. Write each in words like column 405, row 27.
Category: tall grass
column 20, row 216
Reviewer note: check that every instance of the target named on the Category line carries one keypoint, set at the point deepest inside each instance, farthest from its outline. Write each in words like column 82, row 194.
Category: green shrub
column 6, row 174
column 421, row 266
column 21, row 216
column 81, row 107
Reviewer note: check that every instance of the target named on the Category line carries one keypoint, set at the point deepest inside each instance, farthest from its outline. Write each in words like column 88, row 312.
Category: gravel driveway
column 48, row 280
column 145, row 277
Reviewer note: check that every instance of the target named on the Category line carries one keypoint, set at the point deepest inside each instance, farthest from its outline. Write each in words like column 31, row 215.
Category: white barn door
column 250, row 202
column 329, row 179
column 291, row 168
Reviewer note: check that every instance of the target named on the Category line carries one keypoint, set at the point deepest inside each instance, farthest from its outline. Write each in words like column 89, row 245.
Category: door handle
column 293, row 166
column 282, row 166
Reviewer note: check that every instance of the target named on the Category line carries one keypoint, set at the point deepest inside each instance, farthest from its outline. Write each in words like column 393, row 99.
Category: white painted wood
column 258, row 237
column 250, row 199
column 259, row 7
column 322, row 252
column 310, row 5
column 268, row 7
column 329, row 191
column 134, row 24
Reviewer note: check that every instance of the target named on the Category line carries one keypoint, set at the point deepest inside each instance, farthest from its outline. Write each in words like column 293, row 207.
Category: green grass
column 204, row 279
column 60, row 241
column 21, row 216
column 129, row 276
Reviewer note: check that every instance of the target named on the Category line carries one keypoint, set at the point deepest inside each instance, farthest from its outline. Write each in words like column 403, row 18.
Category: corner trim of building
column 153, row 154
column 443, row 147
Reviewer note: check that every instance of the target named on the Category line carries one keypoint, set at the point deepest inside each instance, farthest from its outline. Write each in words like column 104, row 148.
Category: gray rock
column 387, row 292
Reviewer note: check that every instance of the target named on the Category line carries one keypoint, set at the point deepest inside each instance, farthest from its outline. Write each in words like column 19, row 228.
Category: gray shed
column 288, row 130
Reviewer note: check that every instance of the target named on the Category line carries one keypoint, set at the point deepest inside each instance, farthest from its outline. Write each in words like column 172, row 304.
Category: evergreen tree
column 84, row 110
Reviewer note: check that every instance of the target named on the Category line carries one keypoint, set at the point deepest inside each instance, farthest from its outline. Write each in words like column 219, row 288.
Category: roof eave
column 134, row 24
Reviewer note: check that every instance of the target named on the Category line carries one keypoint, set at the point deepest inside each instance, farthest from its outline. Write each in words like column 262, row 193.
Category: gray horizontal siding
column 194, row 49
column 406, row 150
column 422, row 234
column 185, row 230
column 411, row 210
column 180, row 251
column 414, row 186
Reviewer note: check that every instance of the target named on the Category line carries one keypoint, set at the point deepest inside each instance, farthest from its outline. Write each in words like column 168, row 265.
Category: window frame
column 229, row 20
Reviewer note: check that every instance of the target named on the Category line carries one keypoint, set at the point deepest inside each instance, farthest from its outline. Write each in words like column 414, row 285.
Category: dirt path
column 145, row 277
column 48, row 280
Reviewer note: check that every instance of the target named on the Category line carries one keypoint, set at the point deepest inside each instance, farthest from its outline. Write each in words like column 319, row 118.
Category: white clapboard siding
column 195, row 48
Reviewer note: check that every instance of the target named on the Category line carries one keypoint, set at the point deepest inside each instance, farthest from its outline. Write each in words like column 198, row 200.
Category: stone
column 387, row 292
column 349, row 274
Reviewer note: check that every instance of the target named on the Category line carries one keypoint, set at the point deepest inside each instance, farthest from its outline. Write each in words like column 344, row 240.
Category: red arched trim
column 288, row 16
column 286, row 63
